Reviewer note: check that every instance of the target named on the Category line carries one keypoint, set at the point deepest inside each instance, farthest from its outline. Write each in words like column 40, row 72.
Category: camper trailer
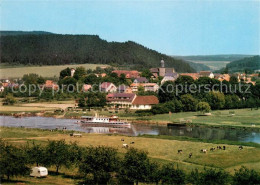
column 39, row 172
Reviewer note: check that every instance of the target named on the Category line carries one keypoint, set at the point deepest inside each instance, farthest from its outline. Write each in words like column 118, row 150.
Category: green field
column 160, row 150
column 213, row 65
column 7, row 71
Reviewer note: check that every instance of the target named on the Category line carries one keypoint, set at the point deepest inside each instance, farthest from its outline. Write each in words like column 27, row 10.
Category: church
column 163, row 71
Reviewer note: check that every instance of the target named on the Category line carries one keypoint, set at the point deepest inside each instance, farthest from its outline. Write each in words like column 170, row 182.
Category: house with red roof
column 49, row 84
column 128, row 74
column 144, row 102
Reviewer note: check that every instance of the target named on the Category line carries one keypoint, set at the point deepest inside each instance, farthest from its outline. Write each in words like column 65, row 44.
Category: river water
column 135, row 129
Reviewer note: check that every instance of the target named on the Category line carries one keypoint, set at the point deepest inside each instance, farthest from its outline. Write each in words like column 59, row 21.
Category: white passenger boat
column 111, row 121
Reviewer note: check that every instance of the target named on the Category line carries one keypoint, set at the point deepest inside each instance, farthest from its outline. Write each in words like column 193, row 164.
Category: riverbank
column 234, row 119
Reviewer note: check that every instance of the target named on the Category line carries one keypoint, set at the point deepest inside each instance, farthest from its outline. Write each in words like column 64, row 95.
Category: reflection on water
column 134, row 129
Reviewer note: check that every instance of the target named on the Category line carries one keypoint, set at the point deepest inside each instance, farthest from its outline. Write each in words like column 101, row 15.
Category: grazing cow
column 224, row 147
column 132, row 142
column 179, row 151
column 203, row 150
column 125, row 145
column 190, row 155
column 122, row 139
column 240, row 147
column 212, row 149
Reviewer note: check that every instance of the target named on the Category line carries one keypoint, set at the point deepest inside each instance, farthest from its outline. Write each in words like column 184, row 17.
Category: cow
column 132, row 142
column 224, row 147
column 190, row 155
column 125, row 145
column 179, row 151
column 122, row 139
column 240, row 147
column 203, row 150
column 212, row 149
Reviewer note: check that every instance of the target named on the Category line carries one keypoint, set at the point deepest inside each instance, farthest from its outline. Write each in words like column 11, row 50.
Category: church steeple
column 162, row 63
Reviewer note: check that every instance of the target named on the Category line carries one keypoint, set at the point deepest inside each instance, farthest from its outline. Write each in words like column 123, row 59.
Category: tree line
column 104, row 165
column 57, row 49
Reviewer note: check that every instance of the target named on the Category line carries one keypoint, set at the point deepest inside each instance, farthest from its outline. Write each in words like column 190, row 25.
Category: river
column 208, row 133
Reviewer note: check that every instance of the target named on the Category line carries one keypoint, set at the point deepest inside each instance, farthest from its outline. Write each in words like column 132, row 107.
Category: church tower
column 162, row 63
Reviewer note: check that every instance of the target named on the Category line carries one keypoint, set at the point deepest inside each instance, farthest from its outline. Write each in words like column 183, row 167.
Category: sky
column 178, row 27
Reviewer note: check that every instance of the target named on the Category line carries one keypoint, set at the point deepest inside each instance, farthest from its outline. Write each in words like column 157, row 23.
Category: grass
column 221, row 118
column 45, row 71
column 35, row 107
column 213, row 65
column 162, row 149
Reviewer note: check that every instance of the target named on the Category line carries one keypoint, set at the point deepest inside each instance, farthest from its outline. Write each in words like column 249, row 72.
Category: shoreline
column 162, row 123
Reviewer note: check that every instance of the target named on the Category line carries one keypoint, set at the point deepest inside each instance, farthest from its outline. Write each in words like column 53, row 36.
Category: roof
column 143, row 84
column 205, row 73
column 195, row 76
column 128, row 97
column 154, row 70
column 145, row 100
column 141, row 80
column 129, row 74
column 105, row 85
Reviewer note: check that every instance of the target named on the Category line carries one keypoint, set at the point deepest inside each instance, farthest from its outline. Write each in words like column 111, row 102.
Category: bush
column 246, row 176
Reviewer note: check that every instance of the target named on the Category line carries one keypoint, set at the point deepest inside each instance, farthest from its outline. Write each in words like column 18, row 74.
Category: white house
column 120, row 100
column 206, row 74
column 144, row 102
column 108, row 87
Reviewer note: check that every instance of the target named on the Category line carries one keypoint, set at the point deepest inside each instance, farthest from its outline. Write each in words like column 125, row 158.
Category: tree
column 146, row 73
column 184, row 80
column 36, row 154
column 65, row 72
column 9, row 99
column 70, row 82
column 135, row 167
column 12, row 161
column 30, row 78
column 245, row 176
column 209, row 176
column 203, row 107
column 140, row 90
column 100, row 162
column 172, row 175
column 57, row 154
column 92, row 79
column 233, row 79
column 40, row 80
column 96, row 99
column 188, row 102
column 79, row 72
column 215, row 99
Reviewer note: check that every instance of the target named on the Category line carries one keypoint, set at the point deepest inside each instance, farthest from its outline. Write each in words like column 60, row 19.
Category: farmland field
column 213, row 65
column 160, row 150
column 44, row 71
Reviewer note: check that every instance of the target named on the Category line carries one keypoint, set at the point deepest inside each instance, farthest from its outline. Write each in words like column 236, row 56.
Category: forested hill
column 8, row 33
column 57, row 49
column 250, row 63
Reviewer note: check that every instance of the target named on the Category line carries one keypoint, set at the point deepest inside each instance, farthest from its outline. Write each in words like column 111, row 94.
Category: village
column 140, row 90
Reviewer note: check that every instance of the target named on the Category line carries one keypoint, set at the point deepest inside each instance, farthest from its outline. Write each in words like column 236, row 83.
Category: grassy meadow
column 160, row 150
column 7, row 71
column 213, row 65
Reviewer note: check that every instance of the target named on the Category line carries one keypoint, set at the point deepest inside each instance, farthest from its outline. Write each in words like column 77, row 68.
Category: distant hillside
column 199, row 67
column 8, row 33
column 57, row 49
column 213, row 58
column 249, row 63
